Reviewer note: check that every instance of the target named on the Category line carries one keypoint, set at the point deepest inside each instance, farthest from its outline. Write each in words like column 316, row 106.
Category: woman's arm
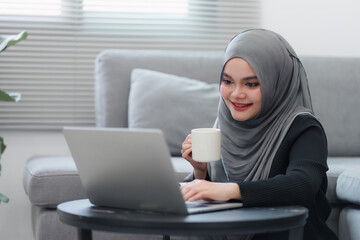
column 303, row 177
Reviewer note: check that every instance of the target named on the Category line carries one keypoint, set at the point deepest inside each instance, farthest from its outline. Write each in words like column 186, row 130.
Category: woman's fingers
column 195, row 190
column 187, row 139
column 187, row 148
column 186, row 153
column 187, row 142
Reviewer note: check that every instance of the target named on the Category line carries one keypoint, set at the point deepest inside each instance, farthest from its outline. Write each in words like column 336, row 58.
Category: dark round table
column 87, row 217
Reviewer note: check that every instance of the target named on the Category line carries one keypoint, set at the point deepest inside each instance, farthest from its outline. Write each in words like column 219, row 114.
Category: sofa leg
column 166, row 237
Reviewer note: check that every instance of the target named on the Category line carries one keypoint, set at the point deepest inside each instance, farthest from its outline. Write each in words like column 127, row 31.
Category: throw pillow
column 171, row 103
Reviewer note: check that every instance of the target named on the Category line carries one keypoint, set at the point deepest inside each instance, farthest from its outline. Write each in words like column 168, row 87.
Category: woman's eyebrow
column 244, row 79
column 250, row 78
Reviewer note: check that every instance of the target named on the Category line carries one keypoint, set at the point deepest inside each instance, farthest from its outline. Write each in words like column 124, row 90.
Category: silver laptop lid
column 126, row 168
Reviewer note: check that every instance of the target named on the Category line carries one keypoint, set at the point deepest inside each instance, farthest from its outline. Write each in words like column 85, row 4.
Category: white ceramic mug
column 206, row 144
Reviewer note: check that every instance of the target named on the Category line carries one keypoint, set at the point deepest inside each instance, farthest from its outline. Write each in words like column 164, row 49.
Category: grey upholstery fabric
column 348, row 186
column 349, row 224
column 335, row 86
column 49, row 181
column 337, row 165
column 171, row 103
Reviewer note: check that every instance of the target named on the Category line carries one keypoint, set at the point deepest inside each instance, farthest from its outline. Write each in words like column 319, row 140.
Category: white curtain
column 53, row 68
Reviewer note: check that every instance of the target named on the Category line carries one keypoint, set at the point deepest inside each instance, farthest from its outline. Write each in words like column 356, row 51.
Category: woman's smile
column 241, row 106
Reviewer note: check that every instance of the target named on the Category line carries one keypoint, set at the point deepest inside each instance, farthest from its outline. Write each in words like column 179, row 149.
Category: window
column 27, row 8
column 137, row 6
column 53, row 68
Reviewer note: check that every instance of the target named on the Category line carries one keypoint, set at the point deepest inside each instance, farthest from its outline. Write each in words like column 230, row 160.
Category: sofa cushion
column 171, row 103
column 338, row 165
column 348, row 186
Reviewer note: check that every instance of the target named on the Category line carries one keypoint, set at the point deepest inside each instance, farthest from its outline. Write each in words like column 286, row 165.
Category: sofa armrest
column 50, row 180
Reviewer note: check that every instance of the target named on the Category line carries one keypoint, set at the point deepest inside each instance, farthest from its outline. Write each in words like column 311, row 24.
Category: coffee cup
column 206, row 144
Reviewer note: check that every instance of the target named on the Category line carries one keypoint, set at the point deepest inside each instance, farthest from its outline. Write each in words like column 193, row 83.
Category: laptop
column 131, row 169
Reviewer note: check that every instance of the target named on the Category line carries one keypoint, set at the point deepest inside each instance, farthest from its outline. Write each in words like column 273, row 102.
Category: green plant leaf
column 9, row 40
column 10, row 97
column 2, row 146
column 3, row 198
column 6, row 97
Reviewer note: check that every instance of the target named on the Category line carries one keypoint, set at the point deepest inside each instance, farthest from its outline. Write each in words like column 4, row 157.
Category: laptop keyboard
column 196, row 204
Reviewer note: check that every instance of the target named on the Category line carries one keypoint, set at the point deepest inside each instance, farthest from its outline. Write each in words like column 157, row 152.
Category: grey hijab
column 248, row 148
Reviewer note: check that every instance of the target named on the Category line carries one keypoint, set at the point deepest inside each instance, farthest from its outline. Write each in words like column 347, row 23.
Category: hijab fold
column 249, row 147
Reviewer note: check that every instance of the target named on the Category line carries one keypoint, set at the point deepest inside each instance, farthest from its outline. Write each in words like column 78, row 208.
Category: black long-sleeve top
column 297, row 177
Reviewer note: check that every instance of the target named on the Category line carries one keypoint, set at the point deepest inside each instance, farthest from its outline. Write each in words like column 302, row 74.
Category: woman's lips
column 241, row 106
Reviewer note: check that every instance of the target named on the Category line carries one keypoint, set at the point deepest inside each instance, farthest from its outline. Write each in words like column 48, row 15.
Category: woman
column 273, row 149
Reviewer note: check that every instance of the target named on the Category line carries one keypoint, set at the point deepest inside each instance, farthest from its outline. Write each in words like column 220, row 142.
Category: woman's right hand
column 200, row 168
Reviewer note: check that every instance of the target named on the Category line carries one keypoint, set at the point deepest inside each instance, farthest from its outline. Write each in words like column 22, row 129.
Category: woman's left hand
column 205, row 190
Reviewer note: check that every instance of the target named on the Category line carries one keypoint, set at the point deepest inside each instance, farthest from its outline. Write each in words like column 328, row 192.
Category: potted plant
column 5, row 42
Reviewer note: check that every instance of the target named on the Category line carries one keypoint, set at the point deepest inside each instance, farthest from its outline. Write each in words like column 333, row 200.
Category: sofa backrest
column 113, row 70
column 334, row 85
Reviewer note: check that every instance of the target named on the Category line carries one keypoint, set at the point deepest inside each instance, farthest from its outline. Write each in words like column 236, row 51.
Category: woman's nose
column 238, row 93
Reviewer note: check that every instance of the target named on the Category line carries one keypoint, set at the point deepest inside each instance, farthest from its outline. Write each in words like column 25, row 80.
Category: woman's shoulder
column 303, row 123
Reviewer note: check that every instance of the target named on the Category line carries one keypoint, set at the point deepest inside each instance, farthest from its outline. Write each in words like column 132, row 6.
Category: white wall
column 15, row 219
column 316, row 27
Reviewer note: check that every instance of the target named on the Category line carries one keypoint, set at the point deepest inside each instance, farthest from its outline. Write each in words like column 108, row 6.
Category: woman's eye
column 252, row 84
column 226, row 81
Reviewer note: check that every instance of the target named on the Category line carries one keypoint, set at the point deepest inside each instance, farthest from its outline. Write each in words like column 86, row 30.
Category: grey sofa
column 127, row 98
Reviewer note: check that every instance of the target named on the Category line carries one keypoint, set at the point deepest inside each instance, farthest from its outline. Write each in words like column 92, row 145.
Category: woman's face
column 240, row 89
